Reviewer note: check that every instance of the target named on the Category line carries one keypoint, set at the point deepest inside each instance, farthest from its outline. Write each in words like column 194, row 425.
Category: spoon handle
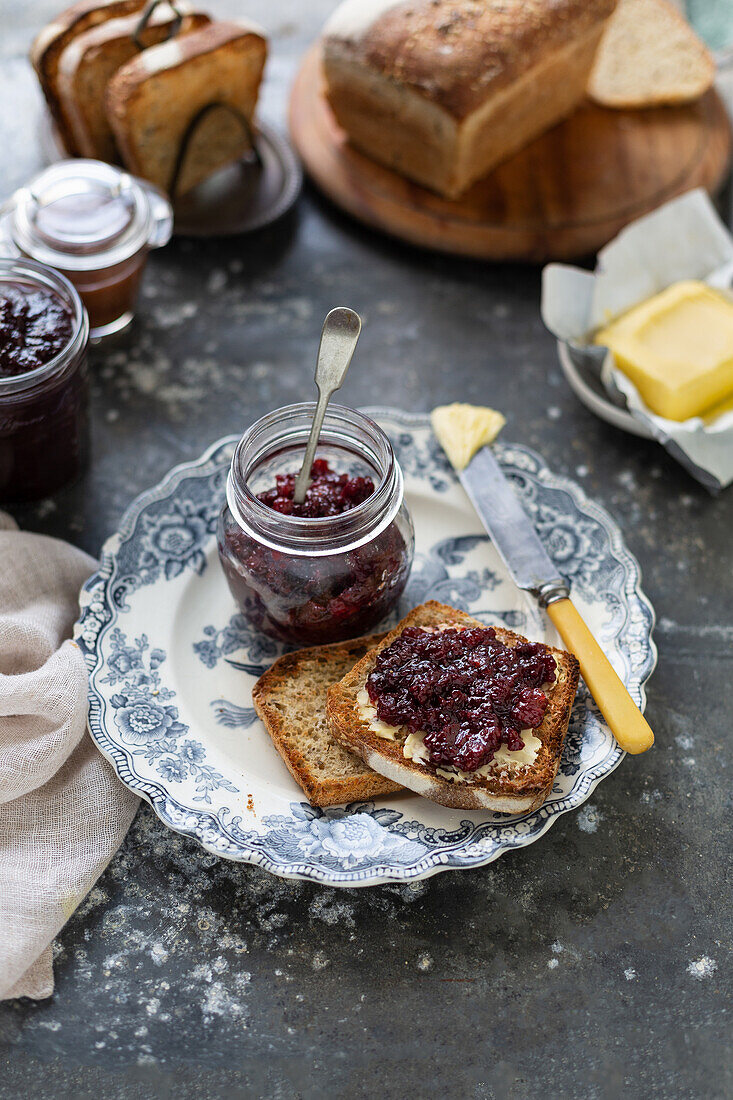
column 338, row 339
column 303, row 479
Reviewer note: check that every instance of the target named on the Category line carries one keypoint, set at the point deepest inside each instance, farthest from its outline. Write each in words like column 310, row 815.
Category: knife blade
column 511, row 530
column 531, row 567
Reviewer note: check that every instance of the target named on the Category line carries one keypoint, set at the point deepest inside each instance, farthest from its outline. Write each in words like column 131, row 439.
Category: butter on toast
column 506, row 788
column 291, row 701
column 49, row 44
column 91, row 59
column 153, row 100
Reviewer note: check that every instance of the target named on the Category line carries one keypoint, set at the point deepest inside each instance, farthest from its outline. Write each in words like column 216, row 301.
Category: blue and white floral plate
column 171, row 667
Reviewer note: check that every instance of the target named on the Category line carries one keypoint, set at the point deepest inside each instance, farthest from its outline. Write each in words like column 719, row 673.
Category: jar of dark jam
column 95, row 224
column 44, row 332
column 335, row 570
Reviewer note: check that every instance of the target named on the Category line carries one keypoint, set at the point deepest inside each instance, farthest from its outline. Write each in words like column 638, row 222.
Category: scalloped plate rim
column 433, row 862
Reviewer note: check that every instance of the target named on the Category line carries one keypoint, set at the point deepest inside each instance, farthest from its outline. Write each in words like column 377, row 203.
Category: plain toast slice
column 91, row 59
column 153, row 101
column 508, row 788
column 649, row 56
column 291, row 701
column 50, row 43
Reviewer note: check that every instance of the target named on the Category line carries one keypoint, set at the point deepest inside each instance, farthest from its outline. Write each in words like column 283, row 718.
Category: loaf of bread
column 89, row 61
column 56, row 36
column 165, row 98
column 443, row 90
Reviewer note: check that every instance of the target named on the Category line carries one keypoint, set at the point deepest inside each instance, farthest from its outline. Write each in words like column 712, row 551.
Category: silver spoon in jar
column 338, row 339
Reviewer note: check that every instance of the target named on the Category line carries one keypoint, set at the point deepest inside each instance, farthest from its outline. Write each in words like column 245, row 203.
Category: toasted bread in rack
column 50, row 43
column 190, row 91
column 89, row 61
column 291, row 701
column 649, row 56
column 507, row 788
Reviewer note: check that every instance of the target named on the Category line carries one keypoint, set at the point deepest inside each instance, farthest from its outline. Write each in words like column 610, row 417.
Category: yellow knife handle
column 626, row 721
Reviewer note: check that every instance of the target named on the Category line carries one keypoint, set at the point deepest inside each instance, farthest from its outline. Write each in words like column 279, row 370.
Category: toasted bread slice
column 649, row 56
column 153, row 101
column 48, row 46
column 89, row 61
column 291, row 701
column 508, row 788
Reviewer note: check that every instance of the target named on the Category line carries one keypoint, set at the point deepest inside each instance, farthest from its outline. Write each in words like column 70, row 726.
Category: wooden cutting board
column 561, row 197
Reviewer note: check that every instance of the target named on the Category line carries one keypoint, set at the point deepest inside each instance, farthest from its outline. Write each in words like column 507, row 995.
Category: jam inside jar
column 324, row 577
column 44, row 425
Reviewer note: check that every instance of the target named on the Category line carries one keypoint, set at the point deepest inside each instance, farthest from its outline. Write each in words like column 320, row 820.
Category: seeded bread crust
column 441, row 91
column 151, row 101
column 46, row 50
column 291, row 701
column 457, row 53
column 510, row 790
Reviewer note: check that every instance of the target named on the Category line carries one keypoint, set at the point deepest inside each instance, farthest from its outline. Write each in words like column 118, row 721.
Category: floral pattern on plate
column 171, row 666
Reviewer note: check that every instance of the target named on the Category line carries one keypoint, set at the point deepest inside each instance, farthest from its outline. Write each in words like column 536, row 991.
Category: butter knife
column 532, row 569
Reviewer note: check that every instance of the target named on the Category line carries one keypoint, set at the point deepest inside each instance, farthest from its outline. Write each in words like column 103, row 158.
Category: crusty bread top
column 352, row 729
column 176, row 52
column 49, row 42
column 649, row 56
column 85, row 47
column 457, row 53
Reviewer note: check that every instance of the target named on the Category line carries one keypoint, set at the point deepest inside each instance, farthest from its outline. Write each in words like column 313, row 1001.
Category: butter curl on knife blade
column 464, row 432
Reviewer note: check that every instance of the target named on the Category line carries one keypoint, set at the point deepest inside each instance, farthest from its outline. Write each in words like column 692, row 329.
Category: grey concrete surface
column 595, row 963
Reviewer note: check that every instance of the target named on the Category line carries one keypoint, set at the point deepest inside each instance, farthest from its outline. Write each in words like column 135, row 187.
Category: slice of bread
column 508, row 788
column 648, row 57
column 153, row 101
column 48, row 46
column 89, row 61
column 291, row 701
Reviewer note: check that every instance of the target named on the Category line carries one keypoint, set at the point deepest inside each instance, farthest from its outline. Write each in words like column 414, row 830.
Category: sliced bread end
column 649, row 57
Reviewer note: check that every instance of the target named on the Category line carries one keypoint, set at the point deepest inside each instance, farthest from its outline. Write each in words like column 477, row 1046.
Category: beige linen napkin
column 63, row 812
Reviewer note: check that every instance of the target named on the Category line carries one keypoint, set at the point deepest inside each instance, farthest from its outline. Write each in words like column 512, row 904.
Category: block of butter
column 677, row 349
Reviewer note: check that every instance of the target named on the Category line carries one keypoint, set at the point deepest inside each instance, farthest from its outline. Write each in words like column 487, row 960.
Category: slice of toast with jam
column 511, row 783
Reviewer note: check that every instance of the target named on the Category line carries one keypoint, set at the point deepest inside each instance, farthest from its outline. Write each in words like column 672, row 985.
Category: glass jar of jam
column 333, row 567
column 44, row 332
column 95, row 224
